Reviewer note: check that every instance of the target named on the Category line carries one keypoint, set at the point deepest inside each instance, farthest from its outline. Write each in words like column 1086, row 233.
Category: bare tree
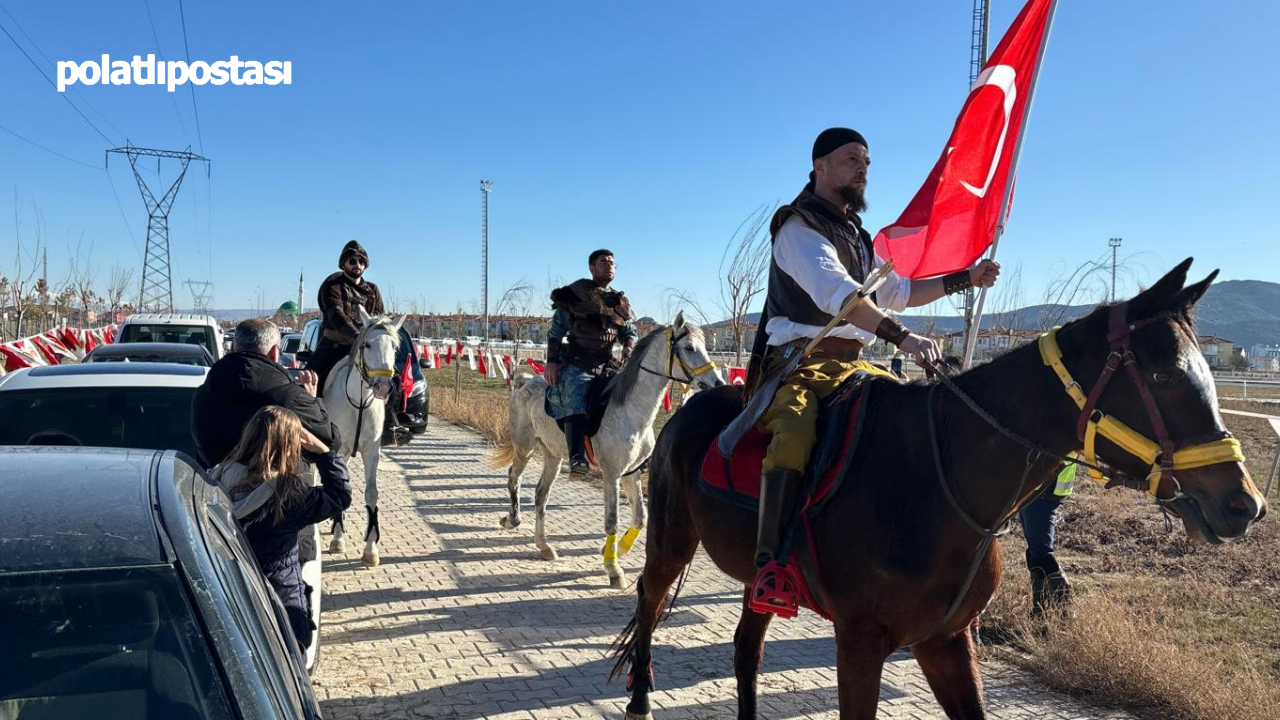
column 675, row 300
column 119, row 282
column 1085, row 284
column 23, row 281
column 743, row 273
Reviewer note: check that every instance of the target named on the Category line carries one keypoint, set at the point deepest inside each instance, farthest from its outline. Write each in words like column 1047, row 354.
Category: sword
column 763, row 395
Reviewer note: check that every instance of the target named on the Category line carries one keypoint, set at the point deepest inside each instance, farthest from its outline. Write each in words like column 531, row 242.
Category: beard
column 353, row 274
column 853, row 197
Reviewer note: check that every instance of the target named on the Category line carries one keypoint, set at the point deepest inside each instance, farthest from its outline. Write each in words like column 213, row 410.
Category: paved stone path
column 462, row 620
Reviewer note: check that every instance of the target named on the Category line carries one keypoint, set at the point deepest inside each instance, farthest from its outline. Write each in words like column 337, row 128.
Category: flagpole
column 972, row 341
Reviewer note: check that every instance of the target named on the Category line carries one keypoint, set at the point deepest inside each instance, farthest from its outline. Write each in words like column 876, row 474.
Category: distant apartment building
column 1264, row 358
column 1222, row 354
column 990, row 343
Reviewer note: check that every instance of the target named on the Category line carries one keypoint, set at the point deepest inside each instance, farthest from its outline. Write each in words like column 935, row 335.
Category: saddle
column 736, row 479
column 598, row 394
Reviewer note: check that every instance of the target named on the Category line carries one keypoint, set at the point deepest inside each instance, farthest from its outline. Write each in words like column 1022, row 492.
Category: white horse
column 621, row 445
column 355, row 396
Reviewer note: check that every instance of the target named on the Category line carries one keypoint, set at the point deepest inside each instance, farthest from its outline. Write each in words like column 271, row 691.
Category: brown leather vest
column 785, row 297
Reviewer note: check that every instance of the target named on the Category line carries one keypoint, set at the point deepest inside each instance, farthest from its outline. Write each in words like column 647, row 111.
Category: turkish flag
column 448, row 355
column 406, row 384
column 952, row 219
column 14, row 360
column 737, row 376
column 536, row 366
column 483, row 369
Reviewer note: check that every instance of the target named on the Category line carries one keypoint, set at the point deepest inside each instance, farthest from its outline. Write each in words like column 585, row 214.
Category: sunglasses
column 357, row 261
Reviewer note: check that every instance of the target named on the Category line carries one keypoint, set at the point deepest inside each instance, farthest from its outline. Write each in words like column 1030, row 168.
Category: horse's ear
column 1161, row 296
column 679, row 321
column 1191, row 294
column 364, row 316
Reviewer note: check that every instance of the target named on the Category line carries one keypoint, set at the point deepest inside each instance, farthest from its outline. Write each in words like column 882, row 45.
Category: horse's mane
column 375, row 322
column 621, row 385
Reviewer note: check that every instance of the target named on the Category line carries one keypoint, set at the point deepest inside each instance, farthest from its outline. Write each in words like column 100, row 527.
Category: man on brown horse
column 821, row 257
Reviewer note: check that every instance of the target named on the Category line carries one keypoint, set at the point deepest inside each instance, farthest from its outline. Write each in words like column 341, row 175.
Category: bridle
column 673, row 359
column 1163, row 453
column 369, row 376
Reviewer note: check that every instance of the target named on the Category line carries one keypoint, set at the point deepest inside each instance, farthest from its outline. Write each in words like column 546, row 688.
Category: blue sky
column 650, row 128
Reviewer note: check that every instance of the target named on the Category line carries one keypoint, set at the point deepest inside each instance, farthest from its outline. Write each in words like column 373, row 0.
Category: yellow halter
column 674, row 358
column 1225, row 449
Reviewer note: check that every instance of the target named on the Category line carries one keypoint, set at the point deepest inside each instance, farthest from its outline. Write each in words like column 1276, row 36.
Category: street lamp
column 486, row 186
column 1115, row 245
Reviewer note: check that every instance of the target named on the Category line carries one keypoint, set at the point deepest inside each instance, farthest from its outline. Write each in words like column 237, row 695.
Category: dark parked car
column 122, row 405
column 151, row 352
column 128, row 591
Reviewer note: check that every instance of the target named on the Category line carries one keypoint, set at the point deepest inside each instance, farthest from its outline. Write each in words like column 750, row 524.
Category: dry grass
column 1164, row 650
column 481, row 403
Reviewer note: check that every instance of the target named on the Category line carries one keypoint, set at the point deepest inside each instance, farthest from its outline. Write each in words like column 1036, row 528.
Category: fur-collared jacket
column 599, row 318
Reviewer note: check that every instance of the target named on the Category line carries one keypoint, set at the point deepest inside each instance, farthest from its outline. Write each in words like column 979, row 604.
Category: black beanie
column 352, row 249
column 832, row 138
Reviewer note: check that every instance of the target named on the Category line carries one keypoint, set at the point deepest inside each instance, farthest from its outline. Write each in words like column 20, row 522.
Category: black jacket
column 275, row 543
column 238, row 386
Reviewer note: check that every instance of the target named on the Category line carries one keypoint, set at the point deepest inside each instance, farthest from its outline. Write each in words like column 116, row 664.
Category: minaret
column 300, row 292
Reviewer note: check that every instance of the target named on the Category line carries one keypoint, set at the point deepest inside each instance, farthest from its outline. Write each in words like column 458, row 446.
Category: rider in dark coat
column 590, row 318
column 244, row 381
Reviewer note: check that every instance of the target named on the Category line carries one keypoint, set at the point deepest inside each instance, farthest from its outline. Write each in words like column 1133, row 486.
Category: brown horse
column 897, row 556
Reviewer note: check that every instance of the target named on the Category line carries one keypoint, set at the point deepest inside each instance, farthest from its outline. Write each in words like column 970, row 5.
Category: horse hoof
column 337, row 545
column 549, row 553
column 637, row 716
column 617, row 580
column 370, row 559
column 508, row 524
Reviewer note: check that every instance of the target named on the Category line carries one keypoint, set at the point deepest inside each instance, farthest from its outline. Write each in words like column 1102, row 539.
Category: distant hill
column 1246, row 312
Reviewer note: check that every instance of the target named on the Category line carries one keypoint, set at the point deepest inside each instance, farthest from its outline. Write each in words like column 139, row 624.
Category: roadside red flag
column 666, row 400
column 482, row 368
column 448, row 355
column 406, row 384
column 952, row 219
column 536, row 366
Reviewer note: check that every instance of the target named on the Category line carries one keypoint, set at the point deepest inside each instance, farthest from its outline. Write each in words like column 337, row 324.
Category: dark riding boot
column 393, row 433
column 575, row 433
column 776, row 588
column 1050, row 588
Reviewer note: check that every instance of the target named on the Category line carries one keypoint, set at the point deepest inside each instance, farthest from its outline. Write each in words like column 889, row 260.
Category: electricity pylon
column 157, row 285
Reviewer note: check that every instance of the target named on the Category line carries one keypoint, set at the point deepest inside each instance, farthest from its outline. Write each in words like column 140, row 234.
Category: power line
column 29, row 141
column 52, row 84
column 160, row 56
column 124, row 217
column 74, row 88
column 190, row 86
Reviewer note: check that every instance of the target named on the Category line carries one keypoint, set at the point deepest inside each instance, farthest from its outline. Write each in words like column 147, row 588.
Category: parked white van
column 180, row 328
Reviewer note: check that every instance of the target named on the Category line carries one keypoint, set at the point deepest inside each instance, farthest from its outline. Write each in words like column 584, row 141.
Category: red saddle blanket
column 737, row 479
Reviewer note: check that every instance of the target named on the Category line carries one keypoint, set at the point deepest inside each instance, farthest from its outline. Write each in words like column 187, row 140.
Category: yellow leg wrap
column 628, row 539
column 610, row 551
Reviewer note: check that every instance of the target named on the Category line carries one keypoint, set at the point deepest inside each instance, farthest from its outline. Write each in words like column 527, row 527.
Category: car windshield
column 181, row 334
column 291, row 344
column 118, row 643
column 151, row 418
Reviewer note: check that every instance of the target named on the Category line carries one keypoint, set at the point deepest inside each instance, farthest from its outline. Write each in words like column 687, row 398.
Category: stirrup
column 776, row 591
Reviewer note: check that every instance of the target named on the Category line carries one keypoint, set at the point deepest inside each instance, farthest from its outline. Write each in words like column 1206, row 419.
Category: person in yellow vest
column 1050, row 587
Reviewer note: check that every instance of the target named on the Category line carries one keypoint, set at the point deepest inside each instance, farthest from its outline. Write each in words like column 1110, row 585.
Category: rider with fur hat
column 340, row 298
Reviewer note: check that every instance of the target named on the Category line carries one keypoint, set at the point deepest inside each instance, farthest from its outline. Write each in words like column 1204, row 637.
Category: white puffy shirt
column 812, row 262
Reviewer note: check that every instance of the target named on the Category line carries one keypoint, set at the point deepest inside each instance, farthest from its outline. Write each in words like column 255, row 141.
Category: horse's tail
column 624, row 646
column 501, row 456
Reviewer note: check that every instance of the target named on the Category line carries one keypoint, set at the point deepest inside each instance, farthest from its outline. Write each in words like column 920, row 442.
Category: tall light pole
column 485, row 187
column 1115, row 245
